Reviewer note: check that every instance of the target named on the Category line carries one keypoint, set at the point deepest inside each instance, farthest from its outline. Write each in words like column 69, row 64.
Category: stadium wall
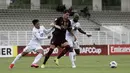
column 85, row 50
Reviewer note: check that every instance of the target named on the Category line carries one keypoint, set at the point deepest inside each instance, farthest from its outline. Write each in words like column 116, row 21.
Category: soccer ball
column 113, row 64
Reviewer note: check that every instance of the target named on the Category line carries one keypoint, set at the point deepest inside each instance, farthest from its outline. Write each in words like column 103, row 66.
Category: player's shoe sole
column 34, row 65
column 56, row 61
column 11, row 66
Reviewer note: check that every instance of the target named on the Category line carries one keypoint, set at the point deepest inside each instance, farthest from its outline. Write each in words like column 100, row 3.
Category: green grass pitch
column 85, row 64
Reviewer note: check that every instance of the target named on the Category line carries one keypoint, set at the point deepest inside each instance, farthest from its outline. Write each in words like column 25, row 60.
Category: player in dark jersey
column 61, row 25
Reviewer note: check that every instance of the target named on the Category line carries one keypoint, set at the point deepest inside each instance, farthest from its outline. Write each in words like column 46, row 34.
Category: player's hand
column 52, row 24
column 56, row 26
column 49, row 37
column 88, row 35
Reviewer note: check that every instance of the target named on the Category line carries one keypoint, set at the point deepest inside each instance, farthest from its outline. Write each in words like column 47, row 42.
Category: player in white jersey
column 74, row 44
column 38, row 34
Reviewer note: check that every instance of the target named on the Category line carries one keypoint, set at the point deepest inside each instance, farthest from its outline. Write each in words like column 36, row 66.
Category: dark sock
column 48, row 55
column 67, row 48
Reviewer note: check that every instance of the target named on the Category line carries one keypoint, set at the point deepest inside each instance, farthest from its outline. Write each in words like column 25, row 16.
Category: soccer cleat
column 42, row 66
column 34, row 65
column 74, row 66
column 56, row 61
column 11, row 66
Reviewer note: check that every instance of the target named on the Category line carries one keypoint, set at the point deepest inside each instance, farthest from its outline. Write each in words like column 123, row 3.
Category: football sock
column 71, row 56
column 48, row 55
column 74, row 56
column 37, row 58
column 17, row 58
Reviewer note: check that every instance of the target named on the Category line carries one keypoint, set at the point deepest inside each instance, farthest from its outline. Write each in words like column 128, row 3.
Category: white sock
column 37, row 58
column 71, row 55
column 74, row 55
column 17, row 58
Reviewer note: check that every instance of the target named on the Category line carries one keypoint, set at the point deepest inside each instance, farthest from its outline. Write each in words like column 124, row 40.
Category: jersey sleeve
column 57, row 21
column 78, row 25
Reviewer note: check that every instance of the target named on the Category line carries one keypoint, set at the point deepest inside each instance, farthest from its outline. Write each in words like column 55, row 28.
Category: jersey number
column 41, row 35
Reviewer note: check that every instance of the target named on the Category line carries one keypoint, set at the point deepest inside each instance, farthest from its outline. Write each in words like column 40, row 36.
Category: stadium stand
column 17, row 23
column 21, row 18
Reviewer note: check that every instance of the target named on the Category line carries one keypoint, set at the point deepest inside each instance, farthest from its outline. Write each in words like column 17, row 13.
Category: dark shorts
column 57, row 42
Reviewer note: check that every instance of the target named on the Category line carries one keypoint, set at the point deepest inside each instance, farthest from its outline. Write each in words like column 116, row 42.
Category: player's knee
column 40, row 51
column 71, row 49
column 24, row 53
column 50, row 52
column 52, row 46
column 67, row 47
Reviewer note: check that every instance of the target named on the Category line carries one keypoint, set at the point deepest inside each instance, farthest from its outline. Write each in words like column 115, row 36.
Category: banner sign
column 45, row 49
column 93, row 50
column 8, row 51
column 123, row 49
column 84, row 50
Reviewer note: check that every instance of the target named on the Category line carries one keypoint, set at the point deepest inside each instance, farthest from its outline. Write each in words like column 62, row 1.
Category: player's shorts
column 76, row 45
column 30, row 48
column 58, row 42
column 70, row 41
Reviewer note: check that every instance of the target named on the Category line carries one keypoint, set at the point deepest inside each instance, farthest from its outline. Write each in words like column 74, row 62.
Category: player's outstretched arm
column 47, row 31
column 83, row 32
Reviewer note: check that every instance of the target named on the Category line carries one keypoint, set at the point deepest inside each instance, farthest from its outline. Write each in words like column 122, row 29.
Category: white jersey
column 75, row 27
column 70, row 37
column 38, row 35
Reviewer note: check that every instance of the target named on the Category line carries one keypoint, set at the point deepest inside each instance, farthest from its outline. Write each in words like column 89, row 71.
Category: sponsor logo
column 6, row 51
column 91, row 50
column 46, row 50
column 119, row 49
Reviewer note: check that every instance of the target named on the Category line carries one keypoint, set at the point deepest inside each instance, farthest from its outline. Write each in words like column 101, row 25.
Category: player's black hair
column 66, row 11
column 35, row 21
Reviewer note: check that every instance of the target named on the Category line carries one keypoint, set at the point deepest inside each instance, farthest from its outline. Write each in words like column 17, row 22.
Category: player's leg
column 25, row 51
column 76, row 48
column 64, row 51
column 72, row 58
column 40, row 52
column 71, row 53
column 52, row 47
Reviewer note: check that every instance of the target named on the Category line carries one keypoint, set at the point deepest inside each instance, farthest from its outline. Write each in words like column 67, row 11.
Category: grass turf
column 85, row 64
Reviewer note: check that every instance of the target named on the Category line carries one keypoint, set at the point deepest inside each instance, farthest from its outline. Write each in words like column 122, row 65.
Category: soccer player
column 38, row 34
column 61, row 25
column 75, row 28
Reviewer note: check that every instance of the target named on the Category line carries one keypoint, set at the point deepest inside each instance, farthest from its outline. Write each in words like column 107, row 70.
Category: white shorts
column 76, row 45
column 73, row 43
column 30, row 48
column 70, row 41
